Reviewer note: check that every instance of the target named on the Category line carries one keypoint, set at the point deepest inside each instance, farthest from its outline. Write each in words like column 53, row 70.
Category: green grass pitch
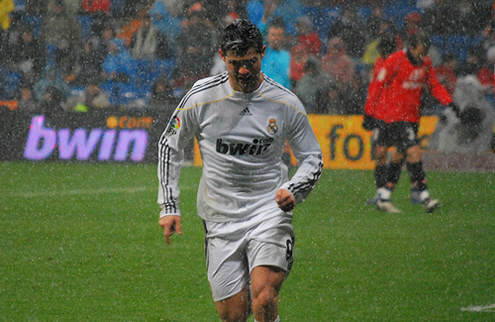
column 80, row 242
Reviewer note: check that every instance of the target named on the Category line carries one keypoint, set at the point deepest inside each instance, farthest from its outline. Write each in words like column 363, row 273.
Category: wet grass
column 81, row 242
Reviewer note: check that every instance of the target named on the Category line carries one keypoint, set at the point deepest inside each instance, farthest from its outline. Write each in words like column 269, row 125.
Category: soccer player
column 241, row 120
column 396, row 100
column 387, row 45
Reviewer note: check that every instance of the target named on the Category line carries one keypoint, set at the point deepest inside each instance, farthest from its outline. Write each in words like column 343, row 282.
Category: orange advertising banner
column 344, row 143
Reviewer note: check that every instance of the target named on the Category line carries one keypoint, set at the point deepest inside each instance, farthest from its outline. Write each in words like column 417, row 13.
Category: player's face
column 244, row 72
column 419, row 52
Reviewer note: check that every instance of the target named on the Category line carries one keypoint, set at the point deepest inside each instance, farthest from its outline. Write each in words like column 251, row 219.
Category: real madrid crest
column 272, row 127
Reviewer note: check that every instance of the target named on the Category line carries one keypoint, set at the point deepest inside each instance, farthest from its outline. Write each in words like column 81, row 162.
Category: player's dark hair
column 239, row 36
column 277, row 22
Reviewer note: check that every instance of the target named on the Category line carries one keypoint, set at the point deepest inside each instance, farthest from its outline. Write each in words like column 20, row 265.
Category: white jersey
column 241, row 138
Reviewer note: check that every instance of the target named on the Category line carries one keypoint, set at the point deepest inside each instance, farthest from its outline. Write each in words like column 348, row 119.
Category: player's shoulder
column 276, row 92
column 205, row 89
column 398, row 55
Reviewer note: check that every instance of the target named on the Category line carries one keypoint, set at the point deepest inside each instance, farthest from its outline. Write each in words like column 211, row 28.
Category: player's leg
column 414, row 192
column 228, row 270
column 419, row 178
column 379, row 153
column 266, row 282
column 270, row 257
column 384, row 141
column 395, row 169
column 236, row 307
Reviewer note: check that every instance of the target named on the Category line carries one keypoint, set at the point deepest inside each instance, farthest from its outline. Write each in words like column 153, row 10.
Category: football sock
column 381, row 172
column 418, row 176
column 394, row 171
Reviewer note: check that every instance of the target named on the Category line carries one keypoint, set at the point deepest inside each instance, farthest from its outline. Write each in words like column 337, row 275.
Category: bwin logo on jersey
column 257, row 147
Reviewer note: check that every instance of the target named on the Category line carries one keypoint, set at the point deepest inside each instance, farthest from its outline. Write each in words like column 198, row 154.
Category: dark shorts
column 401, row 135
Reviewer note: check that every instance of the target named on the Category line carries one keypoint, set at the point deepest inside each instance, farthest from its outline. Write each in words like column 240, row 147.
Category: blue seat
column 11, row 86
column 461, row 44
column 329, row 16
column 86, row 23
column 34, row 22
column 364, row 12
column 314, row 14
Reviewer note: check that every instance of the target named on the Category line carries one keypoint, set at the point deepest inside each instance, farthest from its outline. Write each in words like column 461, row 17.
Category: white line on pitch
column 479, row 308
column 81, row 192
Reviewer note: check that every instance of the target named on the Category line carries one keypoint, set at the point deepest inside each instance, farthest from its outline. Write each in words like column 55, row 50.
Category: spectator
column 374, row 22
column 488, row 35
column 28, row 56
column 216, row 10
column 87, row 66
column 311, row 84
column 306, row 35
column 133, row 25
column 118, row 65
column 351, row 30
column 472, row 64
column 371, row 52
column 276, row 62
column 165, row 21
column 438, row 18
column 287, row 10
column 26, row 102
column 101, row 41
column 148, row 43
column 299, row 56
column 354, row 96
column 61, row 33
column 472, row 17
column 412, row 25
column 338, row 64
column 92, row 98
column 447, row 72
column 162, row 97
column 195, row 47
column 51, row 87
column 96, row 6
column 329, row 100
column 6, row 7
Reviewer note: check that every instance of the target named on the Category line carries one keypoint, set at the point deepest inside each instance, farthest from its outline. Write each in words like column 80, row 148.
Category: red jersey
column 369, row 106
column 399, row 85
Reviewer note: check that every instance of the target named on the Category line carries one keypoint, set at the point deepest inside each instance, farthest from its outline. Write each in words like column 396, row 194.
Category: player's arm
column 170, row 157
column 307, row 151
column 439, row 91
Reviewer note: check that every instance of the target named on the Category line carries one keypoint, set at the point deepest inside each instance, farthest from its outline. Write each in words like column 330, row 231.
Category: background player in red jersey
column 395, row 99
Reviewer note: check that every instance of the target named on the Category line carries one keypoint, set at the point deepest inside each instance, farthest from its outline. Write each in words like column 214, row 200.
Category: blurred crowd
column 82, row 55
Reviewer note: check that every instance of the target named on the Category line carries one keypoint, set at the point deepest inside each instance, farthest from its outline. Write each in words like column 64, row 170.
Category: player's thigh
column 271, row 243
column 227, row 267
column 382, row 134
column 404, row 136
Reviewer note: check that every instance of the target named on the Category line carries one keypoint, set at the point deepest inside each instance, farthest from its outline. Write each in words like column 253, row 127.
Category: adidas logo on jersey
column 246, row 112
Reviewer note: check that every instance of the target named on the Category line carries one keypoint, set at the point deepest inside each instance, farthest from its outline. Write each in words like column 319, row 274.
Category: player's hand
column 170, row 225
column 285, row 200
column 368, row 122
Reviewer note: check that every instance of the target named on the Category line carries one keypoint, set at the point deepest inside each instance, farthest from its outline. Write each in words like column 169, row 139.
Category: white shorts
column 233, row 249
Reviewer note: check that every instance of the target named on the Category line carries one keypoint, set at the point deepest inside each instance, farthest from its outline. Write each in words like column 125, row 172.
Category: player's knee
column 266, row 300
